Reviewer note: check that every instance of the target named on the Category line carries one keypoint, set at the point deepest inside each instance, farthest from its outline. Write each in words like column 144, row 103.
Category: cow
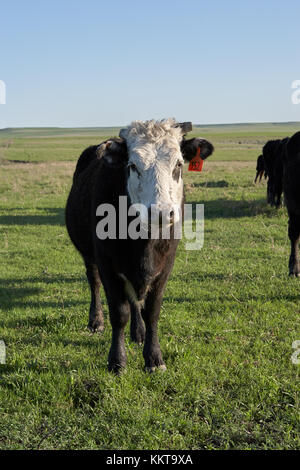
column 271, row 165
column 260, row 169
column 145, row 164
column 281, row 163
column 274, row 171
column 291, row 178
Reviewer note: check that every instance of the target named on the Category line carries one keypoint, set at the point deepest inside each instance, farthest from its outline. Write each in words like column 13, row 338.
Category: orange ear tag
column 196, row 163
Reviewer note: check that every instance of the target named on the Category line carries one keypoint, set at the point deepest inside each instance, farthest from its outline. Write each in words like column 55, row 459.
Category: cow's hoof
column 294, row 275
column 116, row 368
column 161, row 367
column 116, row 360
column 96, row 327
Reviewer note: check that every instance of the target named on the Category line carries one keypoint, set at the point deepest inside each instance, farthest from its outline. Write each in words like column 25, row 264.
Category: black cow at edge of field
column 260, row 169
column 291, row 187
column 146, row 165
column 270, row 164
column 273, row 163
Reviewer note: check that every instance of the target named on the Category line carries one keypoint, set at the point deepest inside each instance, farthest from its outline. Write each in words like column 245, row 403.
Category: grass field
column 229, row 317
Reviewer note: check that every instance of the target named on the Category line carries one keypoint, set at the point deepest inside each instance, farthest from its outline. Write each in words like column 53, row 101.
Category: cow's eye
column 132, row 166
column 177, row 172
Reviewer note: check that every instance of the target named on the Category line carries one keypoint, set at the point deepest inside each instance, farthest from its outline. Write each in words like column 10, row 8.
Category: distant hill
column 15, row 132
column 36, row 132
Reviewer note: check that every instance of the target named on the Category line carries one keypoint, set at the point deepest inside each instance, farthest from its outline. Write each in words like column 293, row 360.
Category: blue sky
column 104, row 63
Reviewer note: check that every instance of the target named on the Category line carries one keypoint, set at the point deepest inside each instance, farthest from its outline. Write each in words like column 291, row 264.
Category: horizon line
column 120, row 126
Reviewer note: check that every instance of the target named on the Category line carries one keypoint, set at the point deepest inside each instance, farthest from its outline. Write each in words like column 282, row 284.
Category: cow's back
column 292, row 174
column 78, row 208
column 94, row 183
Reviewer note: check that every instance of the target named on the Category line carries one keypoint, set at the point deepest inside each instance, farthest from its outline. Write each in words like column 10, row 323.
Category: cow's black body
column 273, row 152
column 146, row 264
column 291, row 187
column 281, row 164
column 260, row 169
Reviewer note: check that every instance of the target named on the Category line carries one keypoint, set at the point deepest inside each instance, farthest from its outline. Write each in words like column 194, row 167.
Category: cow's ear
column 185, row 127
column 189, row 148
column 123, row 133
column 113, row 153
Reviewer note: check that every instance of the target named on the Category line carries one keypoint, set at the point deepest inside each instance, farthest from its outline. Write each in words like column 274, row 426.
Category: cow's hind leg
column 270, row 195
column 294, row 234
column 96, row 318
column 278, row 196
column 137, row 327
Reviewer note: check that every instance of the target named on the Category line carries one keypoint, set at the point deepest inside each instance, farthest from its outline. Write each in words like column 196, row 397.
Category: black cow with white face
column 145, row 164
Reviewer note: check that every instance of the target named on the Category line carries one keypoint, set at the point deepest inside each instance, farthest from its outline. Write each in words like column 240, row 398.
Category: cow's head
column 156, row 151
column 260, row 169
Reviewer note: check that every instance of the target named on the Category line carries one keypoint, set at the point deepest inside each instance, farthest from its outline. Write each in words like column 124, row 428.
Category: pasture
column 229, row 317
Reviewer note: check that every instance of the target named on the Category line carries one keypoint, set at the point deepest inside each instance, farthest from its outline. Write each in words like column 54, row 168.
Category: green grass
column 239, row 142
column 229, row 317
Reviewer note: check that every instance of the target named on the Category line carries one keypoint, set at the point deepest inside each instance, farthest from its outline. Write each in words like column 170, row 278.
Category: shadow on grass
column 203, row 277
column 248, row 298
column 59, row 304
column 211, row 184
column 48, row 323
column 46, row 279
column 213, row 209
column 9, row 161
column 54, row 216
column 16, row 292
column 232, row 209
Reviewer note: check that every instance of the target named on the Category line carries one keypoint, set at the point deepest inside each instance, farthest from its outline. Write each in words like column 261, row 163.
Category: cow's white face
column 155, row 165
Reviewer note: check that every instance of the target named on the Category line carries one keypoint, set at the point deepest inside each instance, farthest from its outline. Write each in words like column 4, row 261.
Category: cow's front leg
column 294, row 233
column 152, row 353
column 119, row 314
